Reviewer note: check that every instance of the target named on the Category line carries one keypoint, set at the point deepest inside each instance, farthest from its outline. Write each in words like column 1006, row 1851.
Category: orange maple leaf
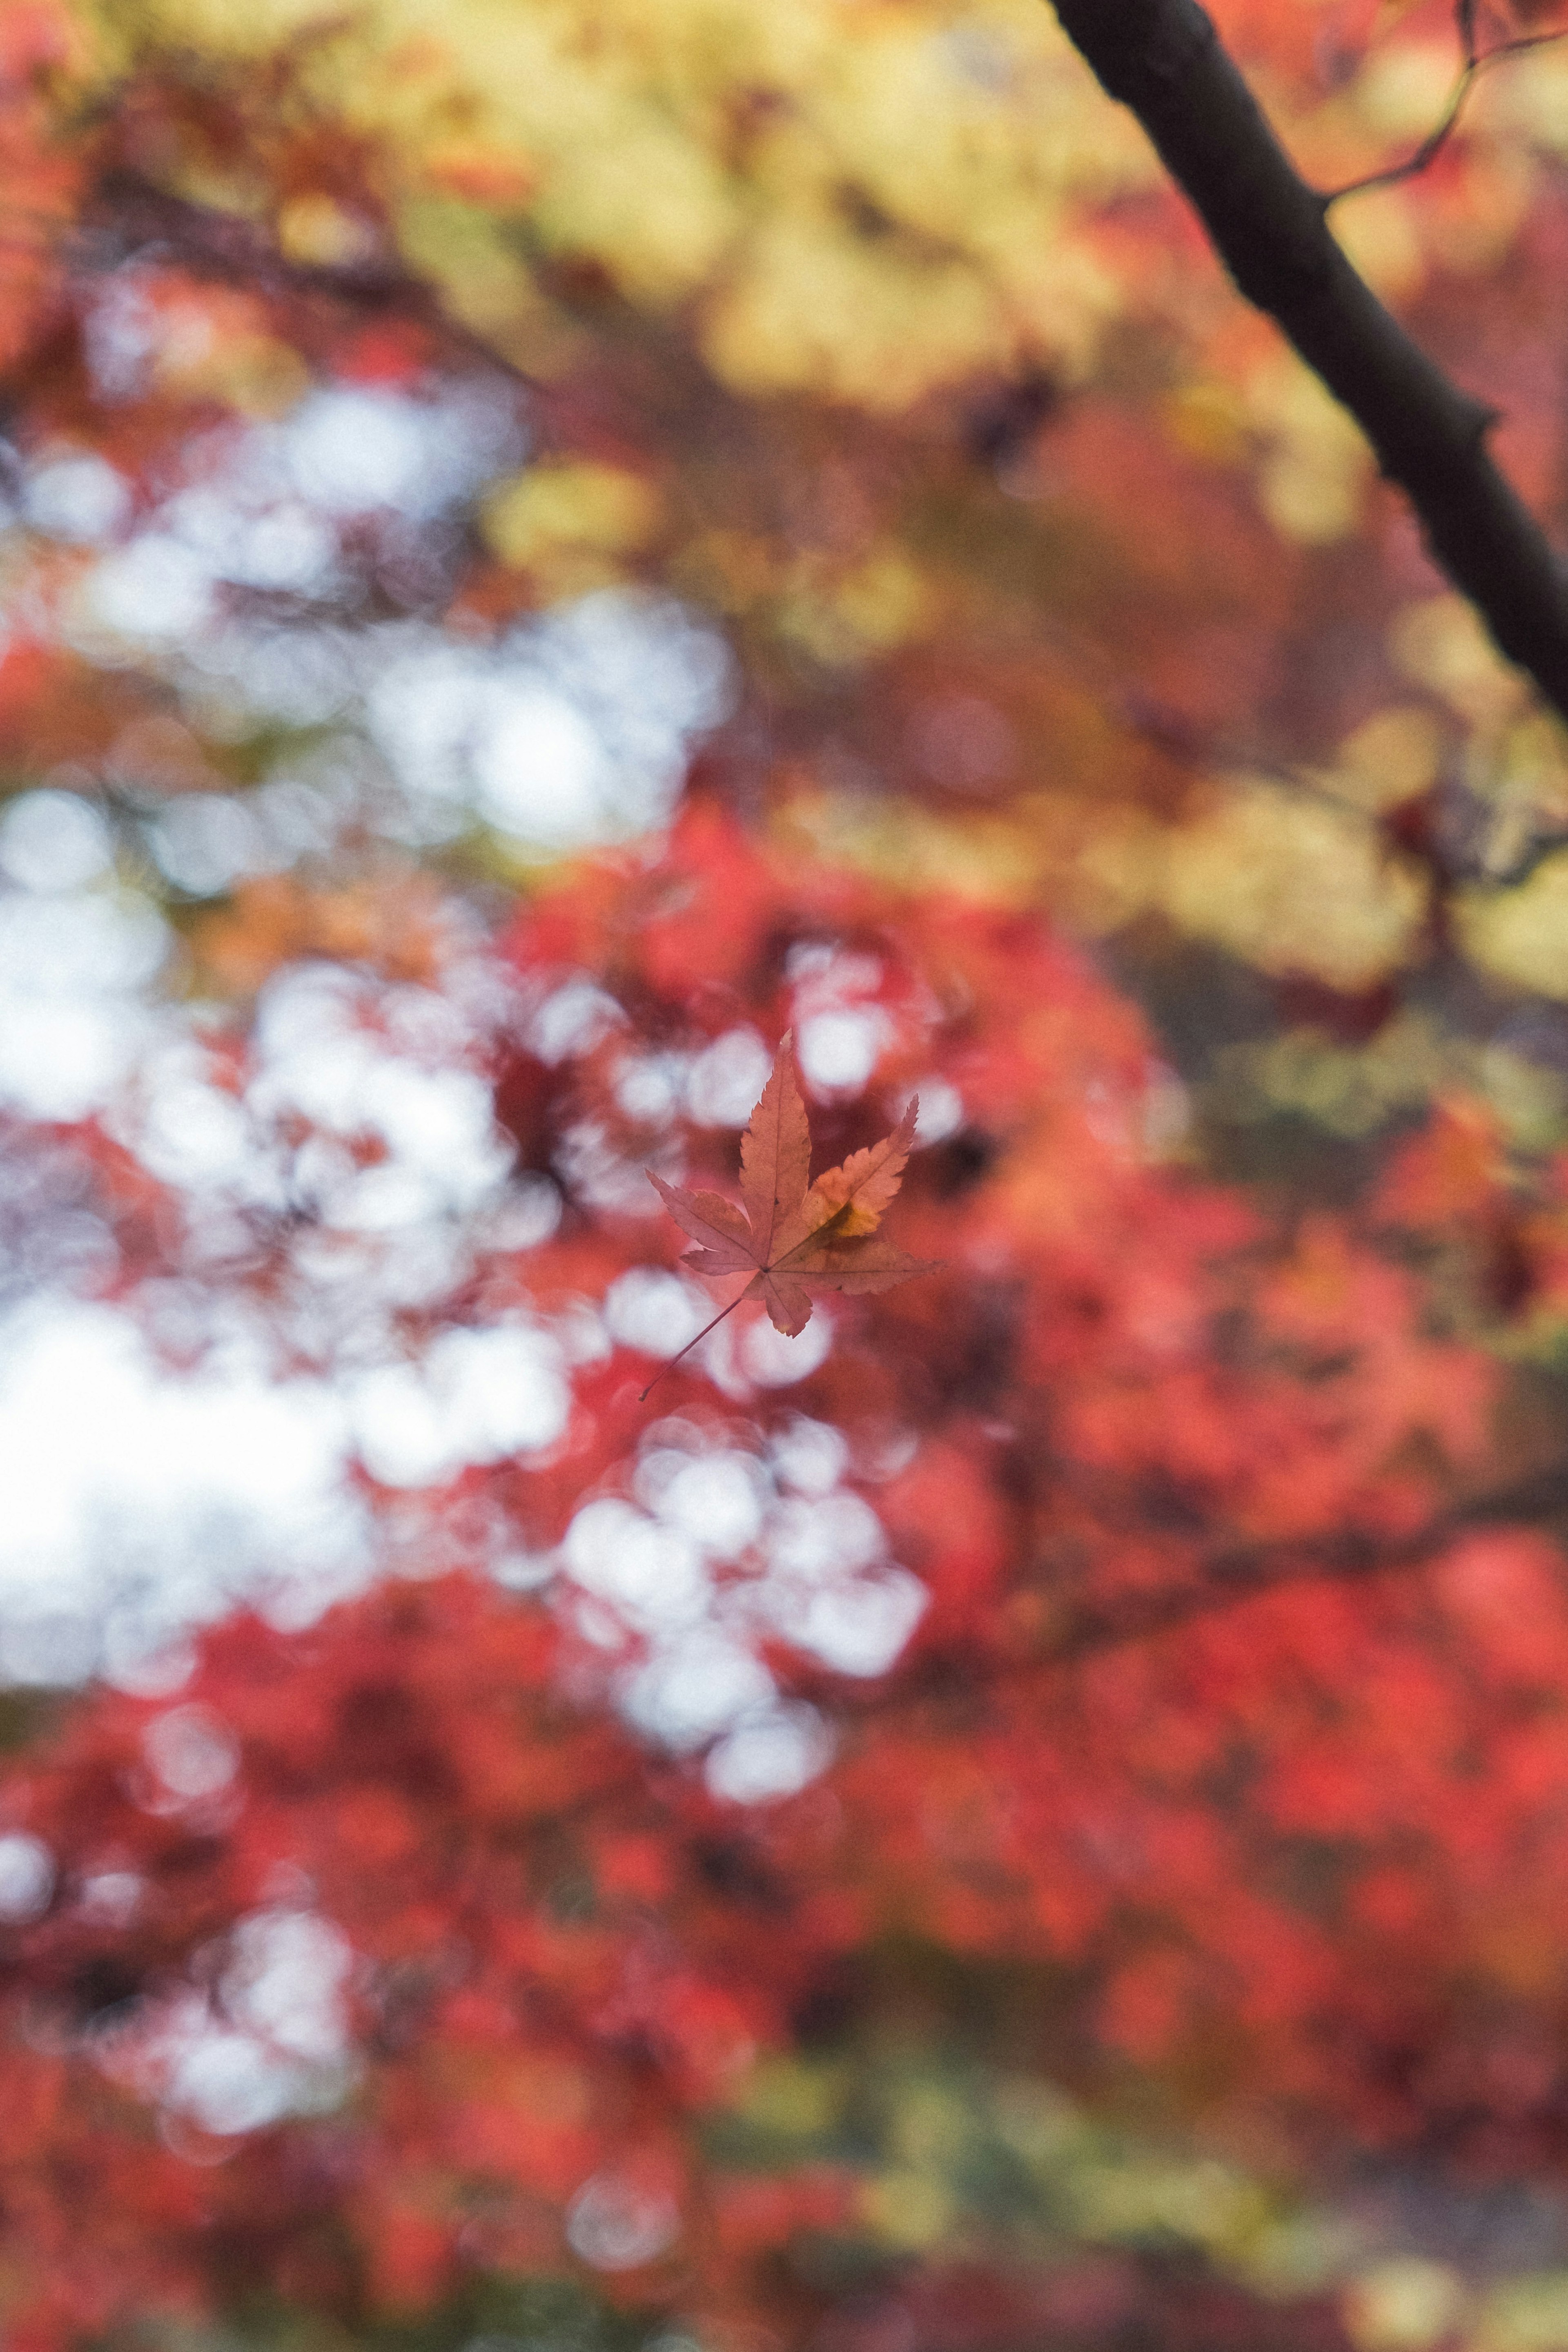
column 792, row 1235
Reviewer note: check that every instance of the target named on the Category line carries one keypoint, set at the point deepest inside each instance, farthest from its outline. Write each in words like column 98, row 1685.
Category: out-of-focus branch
column 1224, row 1578
column 132, row 218
column 1234, row 1573
column 1165, row 60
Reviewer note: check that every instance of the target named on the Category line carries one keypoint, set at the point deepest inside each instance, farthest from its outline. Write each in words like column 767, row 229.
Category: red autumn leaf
column 792, row 1235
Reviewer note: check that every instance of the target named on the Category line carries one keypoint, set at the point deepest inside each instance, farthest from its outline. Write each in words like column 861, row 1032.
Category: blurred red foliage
column 1300, row 1850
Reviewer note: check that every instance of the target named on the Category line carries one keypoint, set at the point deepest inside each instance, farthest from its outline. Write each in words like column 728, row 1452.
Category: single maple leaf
column 793, row 1236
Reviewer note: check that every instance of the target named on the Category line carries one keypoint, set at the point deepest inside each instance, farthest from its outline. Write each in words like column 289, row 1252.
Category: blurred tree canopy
column 545, row 543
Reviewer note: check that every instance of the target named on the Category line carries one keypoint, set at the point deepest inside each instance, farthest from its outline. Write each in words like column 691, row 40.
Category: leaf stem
column 691, row 1343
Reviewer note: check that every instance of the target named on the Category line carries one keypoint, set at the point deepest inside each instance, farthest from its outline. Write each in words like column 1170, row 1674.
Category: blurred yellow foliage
column 1293, row 885
column 569, row 525
column 1290, row 883
column 840, row 617
column 1521, row 934
column 907, row 2208
column 1403, row 2305
column 792, row 2098
column 1525, row 2315
column 867, row 209
column 1403, row 86
column 323, row 233
column 1391, row 757
column 1379, row 230
column 1316, row 463
column 1349, row 1090
column 1528, row 106
column 1441, row 643
column 867, row 205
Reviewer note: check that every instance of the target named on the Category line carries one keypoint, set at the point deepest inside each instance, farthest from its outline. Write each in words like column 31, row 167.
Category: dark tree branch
column 1223, row 1578
column 1165, row 60
column 132, row 218
column 1237, row 1572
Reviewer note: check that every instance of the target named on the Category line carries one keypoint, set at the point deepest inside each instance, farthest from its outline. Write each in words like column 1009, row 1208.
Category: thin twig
column 1475, row 62
column 686, row 1350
